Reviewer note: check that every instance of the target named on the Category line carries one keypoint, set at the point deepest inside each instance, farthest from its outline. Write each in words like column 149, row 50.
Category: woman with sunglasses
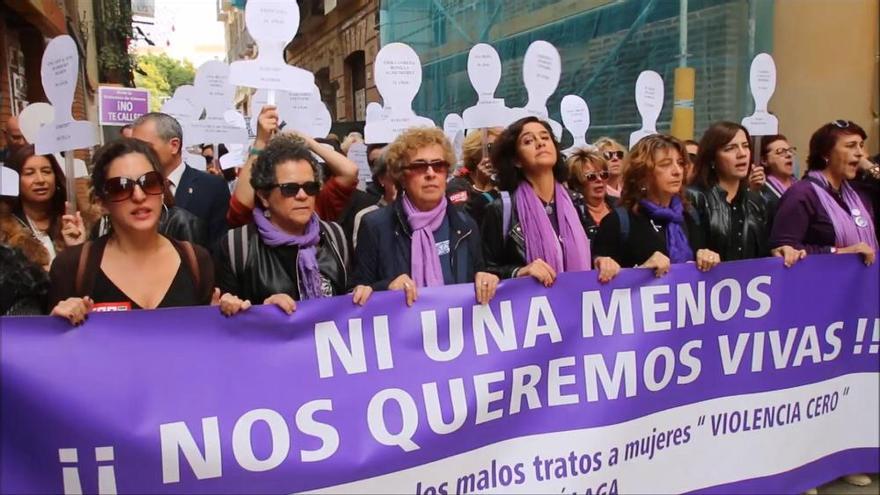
column 777, row 158
column 654, row 227
column 287, row 253
column 615, row 154
column 734, row 218
column 133, row 267
column 588, row 174
column 38, row 211
column 421, row 240
column 537, row 228
column 824, row 213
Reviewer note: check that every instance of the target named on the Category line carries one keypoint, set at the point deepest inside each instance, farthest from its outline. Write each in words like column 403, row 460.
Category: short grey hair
column 282, row 148
column 167, row 127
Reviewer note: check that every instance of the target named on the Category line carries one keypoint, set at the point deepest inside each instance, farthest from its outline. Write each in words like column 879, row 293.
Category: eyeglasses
column 121, row 188
column 596, row 176
column 421, row 166
column 291, row 189
column 785, row 151
column 609, row 155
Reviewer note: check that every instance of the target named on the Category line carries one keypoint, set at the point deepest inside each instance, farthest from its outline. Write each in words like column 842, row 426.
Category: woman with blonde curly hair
column 588, row 175
column 420, row 240
column 654, row 226
column 472, row 187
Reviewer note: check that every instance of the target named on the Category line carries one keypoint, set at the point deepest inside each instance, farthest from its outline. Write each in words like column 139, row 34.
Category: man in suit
column 202, row 194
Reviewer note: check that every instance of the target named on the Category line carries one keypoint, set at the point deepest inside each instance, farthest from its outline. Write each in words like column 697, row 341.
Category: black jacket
column 460, row 191
column 723, row 234
column 175, row 223
column 643, row 239
column 249, row 269
column 205, row 196
column 505, row 256
column 385, row 244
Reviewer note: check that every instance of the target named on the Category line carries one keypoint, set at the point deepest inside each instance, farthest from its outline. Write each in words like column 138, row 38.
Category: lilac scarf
column 777, row 184
column 673, row 217
column 424, row 260
column 849, row 227
column 306, row 261
column 570, row 251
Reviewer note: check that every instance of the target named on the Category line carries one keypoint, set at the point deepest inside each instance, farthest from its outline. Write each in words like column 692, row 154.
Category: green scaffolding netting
column 604, row 45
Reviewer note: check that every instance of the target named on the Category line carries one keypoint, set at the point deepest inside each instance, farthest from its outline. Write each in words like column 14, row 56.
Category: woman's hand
column 360, row 294
column 607, row 267
column 540, row 270
column 861, row 248
column 757, row 178
column 231, row 304
column 789, row 255
column 283, row 301
column 406, row 284
column 484, row 286
column 267, row 124
column 659, row 262
column 73, row 229
column 707, row 259
column 74, row 309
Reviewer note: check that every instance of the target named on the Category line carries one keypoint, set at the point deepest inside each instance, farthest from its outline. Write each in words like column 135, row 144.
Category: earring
column 267, row 214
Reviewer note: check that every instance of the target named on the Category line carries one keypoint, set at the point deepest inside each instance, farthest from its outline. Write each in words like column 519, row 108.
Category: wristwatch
column 833, row 250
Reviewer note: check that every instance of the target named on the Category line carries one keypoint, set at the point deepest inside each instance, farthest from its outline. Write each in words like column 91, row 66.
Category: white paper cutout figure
column 375, row 128
column 260, row 98
column 187, row 92
column 186, row 114
column 9, row 182
column 32, row 119
column 235, row 153
column 60, row 71
column 576, row 118
column 215, row 94
column 398, row 76
column 272, row 24
column 484, row 72
column 308, row 114
column 357, row 153
column 649, row 102
column 453, row 127
column 762, row 82
column 542, row 68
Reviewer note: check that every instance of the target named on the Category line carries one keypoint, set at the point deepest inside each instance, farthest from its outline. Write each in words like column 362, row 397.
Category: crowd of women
column 514, row 207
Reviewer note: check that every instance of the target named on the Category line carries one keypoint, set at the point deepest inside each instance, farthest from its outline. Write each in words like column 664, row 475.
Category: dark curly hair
column 24, row 286
column 113, row 150
column 505, row 155
column 282, row 148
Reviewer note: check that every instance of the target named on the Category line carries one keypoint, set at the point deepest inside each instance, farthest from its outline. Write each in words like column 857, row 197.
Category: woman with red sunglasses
column 287, row 253
column 133, row 267
column 588, row 175
column 421, row 240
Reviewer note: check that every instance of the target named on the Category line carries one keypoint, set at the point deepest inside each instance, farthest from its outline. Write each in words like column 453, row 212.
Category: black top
column 461, row 192
column 109, row 297
column 644, row 239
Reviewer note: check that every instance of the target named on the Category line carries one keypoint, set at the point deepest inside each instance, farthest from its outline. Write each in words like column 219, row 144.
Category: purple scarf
column 850, row 227
column 570, row 251
column 424, row 260
column 673, row 217
column 306, row 260
column 777, row 184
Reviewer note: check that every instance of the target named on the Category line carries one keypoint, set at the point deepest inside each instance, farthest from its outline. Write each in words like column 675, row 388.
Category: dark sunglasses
column 121, row 188
column 840, row 123
column 291, row 189
column 609, row 155
column 421, row 166
column 596, row 176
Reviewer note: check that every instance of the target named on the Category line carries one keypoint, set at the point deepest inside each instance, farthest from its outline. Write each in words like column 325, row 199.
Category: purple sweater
column 801, row 221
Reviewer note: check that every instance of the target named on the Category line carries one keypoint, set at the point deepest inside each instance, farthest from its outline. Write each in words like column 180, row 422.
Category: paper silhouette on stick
column 214, row 93
column 542, row 68
column 484, row 72
column 9, row 182
column 453, row 128
column 32, row 119
column 649, row 102
column 186, row 114
column 576, row 118
column 762, row 82
column 398, row 76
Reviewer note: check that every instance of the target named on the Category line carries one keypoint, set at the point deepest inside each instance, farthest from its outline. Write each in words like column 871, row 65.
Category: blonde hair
column 399, row 153
column 353, row 137
column 639, row 167
column 472, row 149
column 606, row 142
column 576, row 162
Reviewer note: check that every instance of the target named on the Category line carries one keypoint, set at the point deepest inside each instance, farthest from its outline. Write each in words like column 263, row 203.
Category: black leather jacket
column 717, row 218
column 174, row 222
column 502, row 256
column 249, row 269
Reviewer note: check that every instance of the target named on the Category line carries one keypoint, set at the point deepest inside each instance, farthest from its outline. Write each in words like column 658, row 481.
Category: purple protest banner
column 750, row 378
column 121, row 106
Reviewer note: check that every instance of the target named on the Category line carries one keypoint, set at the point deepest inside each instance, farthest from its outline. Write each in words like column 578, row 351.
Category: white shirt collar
column 176, row 175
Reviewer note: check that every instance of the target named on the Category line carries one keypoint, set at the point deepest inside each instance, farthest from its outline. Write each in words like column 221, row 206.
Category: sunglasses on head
column 609, row 155
column 291, row 189
column 421, row 166
column 596, row 176
column 121, row 188
column 840, row 123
